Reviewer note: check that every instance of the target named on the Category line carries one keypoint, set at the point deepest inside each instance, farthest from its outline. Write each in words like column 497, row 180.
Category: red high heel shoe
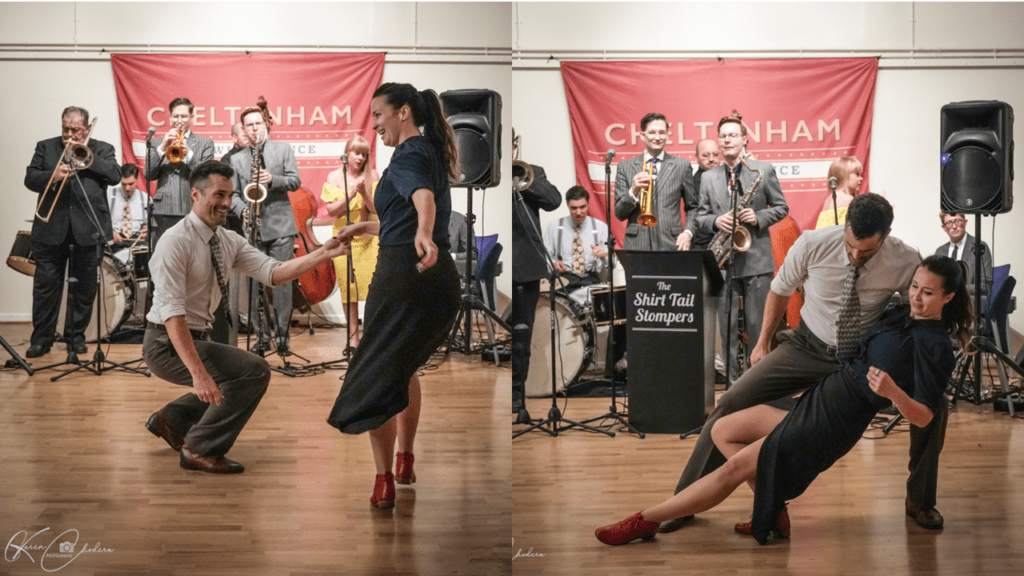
column 383, row 491
column 626, row 531
column 780, row 530
column 404, row 473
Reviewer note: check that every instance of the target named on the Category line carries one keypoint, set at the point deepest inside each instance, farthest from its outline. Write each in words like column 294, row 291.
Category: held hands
column 335, row 246
column 426, row 249
column 206, row 389
column 881, row 383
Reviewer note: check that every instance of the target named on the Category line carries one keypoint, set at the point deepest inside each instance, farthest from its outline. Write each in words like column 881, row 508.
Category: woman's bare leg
column 382, row 443
column 734, row 432
column 710, row 490
column 352, row 319
column 409, row 419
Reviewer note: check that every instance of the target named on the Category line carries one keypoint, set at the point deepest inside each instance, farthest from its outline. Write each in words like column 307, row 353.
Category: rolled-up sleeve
column 793, row 270
column 251, row 262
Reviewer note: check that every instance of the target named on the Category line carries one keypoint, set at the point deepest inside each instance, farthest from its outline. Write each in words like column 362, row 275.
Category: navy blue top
column 414, row 165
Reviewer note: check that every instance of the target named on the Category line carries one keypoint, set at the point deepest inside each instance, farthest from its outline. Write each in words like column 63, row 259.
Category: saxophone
column 740, row 236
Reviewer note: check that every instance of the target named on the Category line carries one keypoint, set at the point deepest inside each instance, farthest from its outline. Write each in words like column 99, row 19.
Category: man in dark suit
column 457, row 236
column 528, row 267
column 279, row 174
column 80, row 220
column 961, row 246
column 709, row 155
column 172, row 201
column 753, row 269
column 673, row 181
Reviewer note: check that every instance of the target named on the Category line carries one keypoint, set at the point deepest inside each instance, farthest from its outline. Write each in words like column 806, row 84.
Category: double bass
column 320, row 282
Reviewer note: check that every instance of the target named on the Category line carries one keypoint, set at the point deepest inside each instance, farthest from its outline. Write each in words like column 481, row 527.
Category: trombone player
column 170, row 161
column 72, row 214
column 672, row 178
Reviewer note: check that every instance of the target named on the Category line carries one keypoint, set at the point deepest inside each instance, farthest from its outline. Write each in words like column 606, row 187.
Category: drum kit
column 582, row 320
column 124, row 278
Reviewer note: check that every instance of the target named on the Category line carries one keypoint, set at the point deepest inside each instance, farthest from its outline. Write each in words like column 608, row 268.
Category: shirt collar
column 660, row 157
column 199, row 227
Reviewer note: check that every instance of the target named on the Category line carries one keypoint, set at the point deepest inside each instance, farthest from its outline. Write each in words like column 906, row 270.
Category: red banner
column 317, row 101
column 801, row 115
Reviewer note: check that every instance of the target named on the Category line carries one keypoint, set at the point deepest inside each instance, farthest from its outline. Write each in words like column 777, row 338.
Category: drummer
column 127, row 209
column 577, row 243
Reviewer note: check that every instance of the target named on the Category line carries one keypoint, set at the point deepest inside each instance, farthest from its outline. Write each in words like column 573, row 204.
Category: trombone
column 522, row 173
column 79, row 157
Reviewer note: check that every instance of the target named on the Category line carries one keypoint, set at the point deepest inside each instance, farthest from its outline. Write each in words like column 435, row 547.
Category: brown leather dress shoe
column 161, row 428
column 219, row 465
column 925, row 517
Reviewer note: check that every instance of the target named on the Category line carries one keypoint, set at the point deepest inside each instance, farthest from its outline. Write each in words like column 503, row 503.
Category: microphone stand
column 96, row 366
column 554, row 419
column 729, row 292
column 609, row 362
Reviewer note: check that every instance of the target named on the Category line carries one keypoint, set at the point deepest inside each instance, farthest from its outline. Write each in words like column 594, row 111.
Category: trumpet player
column 279, row 173
column 752, row 269
column 70, row 227
column 668, row 178
column 170, row 161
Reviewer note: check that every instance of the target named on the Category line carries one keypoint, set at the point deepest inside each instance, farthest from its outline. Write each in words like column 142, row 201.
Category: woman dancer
column 847, row 172
column 362, row 181
column 415, row 294
column 905, row 358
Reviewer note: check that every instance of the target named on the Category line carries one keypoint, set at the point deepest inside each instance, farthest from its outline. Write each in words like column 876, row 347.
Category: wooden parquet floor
column 850, row 521
column 74, row 456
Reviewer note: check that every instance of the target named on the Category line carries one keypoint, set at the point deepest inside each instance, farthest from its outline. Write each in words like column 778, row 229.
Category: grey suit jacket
column 674, row 183
column 968, row 259
column 173, row 195
column 769, row 204
column 276, row 217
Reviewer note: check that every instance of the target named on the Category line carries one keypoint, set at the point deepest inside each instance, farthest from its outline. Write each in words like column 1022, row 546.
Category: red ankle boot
column 383, row 491
column 626, row 531
column 780, row 530
column 404, row 473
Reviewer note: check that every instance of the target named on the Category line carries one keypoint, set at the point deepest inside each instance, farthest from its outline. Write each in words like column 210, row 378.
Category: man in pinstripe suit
column 673, row 182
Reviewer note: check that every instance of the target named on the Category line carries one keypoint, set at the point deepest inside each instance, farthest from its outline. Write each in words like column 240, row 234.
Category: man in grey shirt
column 189, row 270
column 821, row 260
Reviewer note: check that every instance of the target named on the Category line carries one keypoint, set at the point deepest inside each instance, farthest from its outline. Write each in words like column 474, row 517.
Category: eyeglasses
column 733, row 136
column 954, row 223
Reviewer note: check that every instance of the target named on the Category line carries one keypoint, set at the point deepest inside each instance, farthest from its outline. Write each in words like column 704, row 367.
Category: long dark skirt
column 825, row 424
column 408, row 316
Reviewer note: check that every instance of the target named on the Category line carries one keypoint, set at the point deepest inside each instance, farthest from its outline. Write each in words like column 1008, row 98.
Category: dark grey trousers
column 799, row 362
column 208, row 429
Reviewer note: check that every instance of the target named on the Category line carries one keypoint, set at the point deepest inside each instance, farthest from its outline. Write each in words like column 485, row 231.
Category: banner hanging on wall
column 317, row 101
column 801, row 115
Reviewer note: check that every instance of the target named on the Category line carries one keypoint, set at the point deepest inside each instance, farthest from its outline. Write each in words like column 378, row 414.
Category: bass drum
column 574, row 346
column 118, row 288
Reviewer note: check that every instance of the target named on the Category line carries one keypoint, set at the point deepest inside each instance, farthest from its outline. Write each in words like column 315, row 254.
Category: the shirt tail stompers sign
column 801, row 115
column 316, row 101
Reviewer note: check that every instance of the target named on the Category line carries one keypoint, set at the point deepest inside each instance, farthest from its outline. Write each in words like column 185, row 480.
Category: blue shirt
column 414, row 165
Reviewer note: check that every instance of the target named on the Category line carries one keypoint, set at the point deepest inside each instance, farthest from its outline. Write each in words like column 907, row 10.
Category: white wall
column 930, row 55
column 56, row 54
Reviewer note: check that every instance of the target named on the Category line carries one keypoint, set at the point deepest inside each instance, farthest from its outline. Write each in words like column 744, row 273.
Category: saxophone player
column 673, row 181
column 752, row 270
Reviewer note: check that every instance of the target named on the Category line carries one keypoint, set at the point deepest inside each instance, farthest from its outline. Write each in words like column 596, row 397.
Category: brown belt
column 196, row 334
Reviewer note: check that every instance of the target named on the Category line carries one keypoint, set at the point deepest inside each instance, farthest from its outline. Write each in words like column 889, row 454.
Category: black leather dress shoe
column 217, row 465
column 161, row 428
column 81, row 348
column 523, row 417
column 674, row 524
column 925, row 517
column 37, row 350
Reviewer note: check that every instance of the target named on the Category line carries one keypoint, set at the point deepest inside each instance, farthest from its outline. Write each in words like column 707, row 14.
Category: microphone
column 149, row 135
column 611, row 154
column 833, row 182
column 344, row 159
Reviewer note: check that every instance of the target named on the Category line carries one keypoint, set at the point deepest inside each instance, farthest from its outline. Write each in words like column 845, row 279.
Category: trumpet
column 175, row 152
column 79, row 157
column 647, row 217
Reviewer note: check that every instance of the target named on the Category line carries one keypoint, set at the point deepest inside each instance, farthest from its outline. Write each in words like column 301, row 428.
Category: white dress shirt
column 138, row 203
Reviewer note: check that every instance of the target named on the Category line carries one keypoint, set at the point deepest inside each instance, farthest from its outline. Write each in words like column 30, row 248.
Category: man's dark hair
column 651, row 117
column 577, row 192
column 72, row 110
column 129, row 170
column 869, row 214
column 178, row 102
column 200, row 177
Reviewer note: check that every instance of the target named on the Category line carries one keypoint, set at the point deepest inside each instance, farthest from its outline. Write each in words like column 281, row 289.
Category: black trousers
column 524, row 304
column 48, row 289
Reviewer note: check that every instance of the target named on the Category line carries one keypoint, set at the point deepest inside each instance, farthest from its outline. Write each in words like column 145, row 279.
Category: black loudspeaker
column 475, row 116
column 977, row 157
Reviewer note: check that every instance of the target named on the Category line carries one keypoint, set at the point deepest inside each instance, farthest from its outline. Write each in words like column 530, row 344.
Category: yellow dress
column 364, row 248
column 827, row 218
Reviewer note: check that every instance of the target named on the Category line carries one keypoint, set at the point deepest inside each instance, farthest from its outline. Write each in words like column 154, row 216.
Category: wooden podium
column 670, row 337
